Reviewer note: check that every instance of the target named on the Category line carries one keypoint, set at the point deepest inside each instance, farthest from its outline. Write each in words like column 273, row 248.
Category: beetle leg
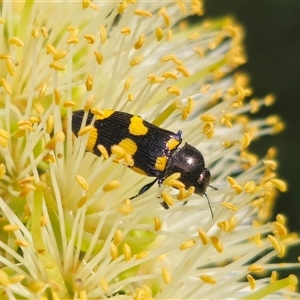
column 144, row 189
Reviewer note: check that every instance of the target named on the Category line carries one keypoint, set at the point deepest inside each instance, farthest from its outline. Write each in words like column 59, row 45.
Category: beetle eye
column 203, row 181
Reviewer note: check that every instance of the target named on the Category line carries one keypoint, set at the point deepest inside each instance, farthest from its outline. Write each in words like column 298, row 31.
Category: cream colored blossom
column 67, row 229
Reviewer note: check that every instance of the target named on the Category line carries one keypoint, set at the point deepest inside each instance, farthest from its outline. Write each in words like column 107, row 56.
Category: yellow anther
column 216, row 243
column 82, row 182
column 56, row 96
column 69, row 104
column 72, row 40
column 162, row 12
column 199, row 51
column 130, row 97
column 43, row 220
column 103, row 151
column 187, row 244
column 280, row 219
column 231, row 181
column 240, row 92
column 203, row 236
column 159, row 34
column 50, row 158
column 4, row 279
column 56, row 66
column 169, row 35
column 50, row 49
column 117, row 237
column 193, row 36
column 60, row 55
column 2, row 21
column 59, row 137
column 122, row 7
column 82, row 201
column 172, row 177
column 112, row 185
column 85, row 4
column 4, row 134
column 157, row 224
column 11, row 227
column 90, row 38
column 245, row 140
column 136, row 61
column 126, row 208
column 141, row 255
column 254, row 104
column 183, row 71
column 128, row 83
column 99, row 57
column 269, row 100
column 277, row 246
column 140, row 42
column 21, row 243
column 251, row 281
column 273, row 276
column 126, row 31
column 205, row 89
column 170, row 75
column 9, row 67
column 270, row 163
column 166, row 275
column 35, row 120
column 118, row 151
column 279, row 184
column 50, row 124
column 85, row 130
column 24, row 124
column 89, row 82
column 126, row 252
column 103, row 34
column 208, row 279
column 113, row 251
column 257, row 240
column 6, row 86
column 229, row 206
column 143, row 13
column 43, row 90
column 279, row 230
column 174, row 183
column 208, row 118
column 208, row 129
column 154, row 79
column 255, row 268
column 223, row 225
column 167, row 198
column 181, row 7
column 249, row 186
column 16, row 42
column 2, row 170
column 173, row 90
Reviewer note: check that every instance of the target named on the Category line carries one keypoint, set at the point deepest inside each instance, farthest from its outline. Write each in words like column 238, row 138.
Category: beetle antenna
column 212, row 214
column 213, row 187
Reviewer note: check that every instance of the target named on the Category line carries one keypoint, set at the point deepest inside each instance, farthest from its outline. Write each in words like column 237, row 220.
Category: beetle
column 155, row 151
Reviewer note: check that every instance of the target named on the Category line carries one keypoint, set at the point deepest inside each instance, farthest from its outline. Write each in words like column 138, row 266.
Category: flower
column 68, row 228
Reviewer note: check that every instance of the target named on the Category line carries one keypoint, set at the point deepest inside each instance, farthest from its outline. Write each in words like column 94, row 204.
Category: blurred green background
column 273, row 48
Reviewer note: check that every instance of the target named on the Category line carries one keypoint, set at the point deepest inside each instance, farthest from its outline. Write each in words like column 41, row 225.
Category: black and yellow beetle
column 155, row 151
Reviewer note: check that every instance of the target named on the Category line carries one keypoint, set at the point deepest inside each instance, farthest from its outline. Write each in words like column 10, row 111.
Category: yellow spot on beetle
column 92, row 139
column 137, row 127
column 104, row 114
column 160, row 163
column 172, row 144
column 129, row 146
